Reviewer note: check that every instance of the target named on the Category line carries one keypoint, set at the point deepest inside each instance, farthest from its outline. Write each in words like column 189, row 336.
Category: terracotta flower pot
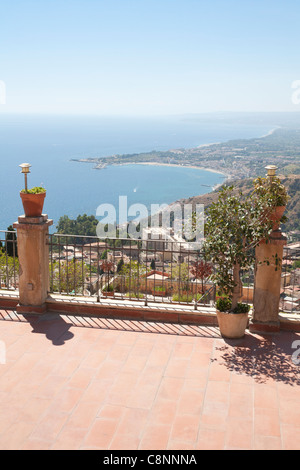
column 276, row 216
column 232, row 325
column 33, row 204
column 159, row 293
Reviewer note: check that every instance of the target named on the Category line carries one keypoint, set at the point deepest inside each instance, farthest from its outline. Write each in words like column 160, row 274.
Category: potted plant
column 33, row 201
column 108, row 290
column 232, row 323
column 159, row 291
column 234, row 226
column 274, row 195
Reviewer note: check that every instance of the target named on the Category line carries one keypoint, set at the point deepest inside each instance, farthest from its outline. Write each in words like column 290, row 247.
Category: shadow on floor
column 264, row 357
column 54, row 327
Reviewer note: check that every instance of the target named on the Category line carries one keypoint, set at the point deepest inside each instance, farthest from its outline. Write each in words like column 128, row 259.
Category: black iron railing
column 9, row 263
column 290, row 281
column 161, row 271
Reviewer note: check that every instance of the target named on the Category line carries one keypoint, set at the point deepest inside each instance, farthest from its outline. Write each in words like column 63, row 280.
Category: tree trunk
column 237, row 291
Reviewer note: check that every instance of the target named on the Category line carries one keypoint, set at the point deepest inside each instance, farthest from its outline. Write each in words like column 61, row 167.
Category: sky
column 149, row 57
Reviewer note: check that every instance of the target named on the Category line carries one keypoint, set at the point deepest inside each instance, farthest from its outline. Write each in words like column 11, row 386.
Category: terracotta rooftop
column 75, row 382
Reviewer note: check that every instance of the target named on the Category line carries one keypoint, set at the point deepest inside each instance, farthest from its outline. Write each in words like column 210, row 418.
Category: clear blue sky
column 149, row 56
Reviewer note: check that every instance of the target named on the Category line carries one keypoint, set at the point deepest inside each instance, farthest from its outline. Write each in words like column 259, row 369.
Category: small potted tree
column 234, row 226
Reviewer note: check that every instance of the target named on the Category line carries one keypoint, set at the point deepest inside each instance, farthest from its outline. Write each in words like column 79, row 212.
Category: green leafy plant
column 181, row 273
column 9, row 267
column 134, row 295
column 67, row 276
column 223, row 304
column 35, row 190
column 133, row 273
column 271, row 191
column 185, row 297
column 108, row 288
column 160, row 289
column 182, row 298
column 241, row 308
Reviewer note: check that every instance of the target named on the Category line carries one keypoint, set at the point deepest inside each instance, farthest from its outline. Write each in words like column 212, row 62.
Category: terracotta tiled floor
column 86, row 383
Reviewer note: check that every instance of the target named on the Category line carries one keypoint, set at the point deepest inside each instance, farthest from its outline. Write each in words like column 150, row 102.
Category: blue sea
column 49, row 143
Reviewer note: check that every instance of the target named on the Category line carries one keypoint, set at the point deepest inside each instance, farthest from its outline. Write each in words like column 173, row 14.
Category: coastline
column 194, row 167
column 270, row 132
column 227, row 176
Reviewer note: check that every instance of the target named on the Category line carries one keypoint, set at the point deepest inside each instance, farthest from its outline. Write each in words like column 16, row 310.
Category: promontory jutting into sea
column 52, row 144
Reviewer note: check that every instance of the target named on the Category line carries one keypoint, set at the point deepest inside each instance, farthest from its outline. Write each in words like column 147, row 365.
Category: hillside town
column 237, row 159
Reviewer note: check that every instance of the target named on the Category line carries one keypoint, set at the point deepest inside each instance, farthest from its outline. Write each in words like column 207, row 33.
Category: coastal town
column 236, row 159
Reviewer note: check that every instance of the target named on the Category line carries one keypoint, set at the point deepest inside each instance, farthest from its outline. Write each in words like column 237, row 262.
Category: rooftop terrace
column 75, row 382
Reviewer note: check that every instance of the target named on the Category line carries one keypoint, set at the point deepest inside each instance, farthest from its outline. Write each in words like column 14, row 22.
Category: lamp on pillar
column 271, row 170
column 25, row 170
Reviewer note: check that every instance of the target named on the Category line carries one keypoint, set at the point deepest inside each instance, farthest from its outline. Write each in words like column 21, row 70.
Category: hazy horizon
column 149, row 58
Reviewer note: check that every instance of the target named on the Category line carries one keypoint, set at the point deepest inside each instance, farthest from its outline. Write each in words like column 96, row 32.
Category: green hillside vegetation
column 291, row 182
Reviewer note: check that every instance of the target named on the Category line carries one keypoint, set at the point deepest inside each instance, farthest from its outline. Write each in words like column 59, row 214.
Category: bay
column 49, row 143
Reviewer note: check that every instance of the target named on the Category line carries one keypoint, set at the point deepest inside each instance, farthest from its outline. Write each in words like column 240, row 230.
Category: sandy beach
column 183, row 166
column 270, row 132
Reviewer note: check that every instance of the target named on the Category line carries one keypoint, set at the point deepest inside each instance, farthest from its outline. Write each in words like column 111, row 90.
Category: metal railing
column 9, row 263
column 130, row 269
column 290, row 282
column 160, row 271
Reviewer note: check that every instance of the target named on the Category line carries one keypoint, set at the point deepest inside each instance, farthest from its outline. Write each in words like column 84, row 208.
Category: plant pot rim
column 33, row 194
column 228, row 312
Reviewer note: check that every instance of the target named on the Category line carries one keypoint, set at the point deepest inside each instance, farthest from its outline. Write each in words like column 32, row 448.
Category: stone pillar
column 267, row 284
column 33, row 254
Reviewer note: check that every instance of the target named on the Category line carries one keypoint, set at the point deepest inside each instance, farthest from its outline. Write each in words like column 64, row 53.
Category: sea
column 50, row 142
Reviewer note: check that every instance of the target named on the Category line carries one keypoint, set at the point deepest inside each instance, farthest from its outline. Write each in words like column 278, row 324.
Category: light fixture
column 25, row 170
column 271, row 170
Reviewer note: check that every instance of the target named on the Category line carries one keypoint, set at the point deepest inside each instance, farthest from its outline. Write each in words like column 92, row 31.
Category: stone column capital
column 42, row 220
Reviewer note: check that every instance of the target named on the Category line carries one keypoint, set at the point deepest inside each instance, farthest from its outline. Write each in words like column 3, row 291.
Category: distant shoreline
column 194, row 167
column 227, row 175
column 270, row 132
